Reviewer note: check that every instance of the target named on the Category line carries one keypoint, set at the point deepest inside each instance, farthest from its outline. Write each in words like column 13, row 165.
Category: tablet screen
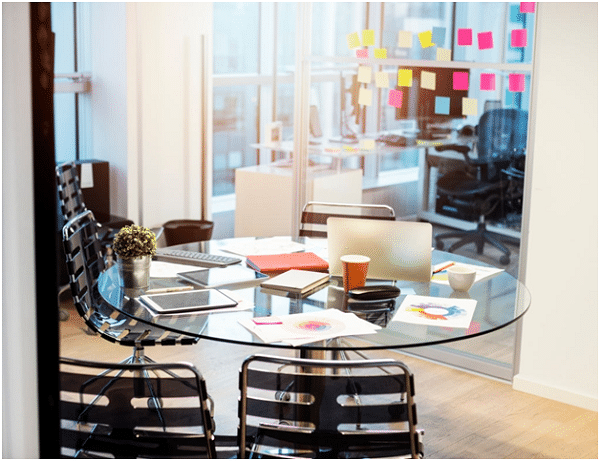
column 188, row 301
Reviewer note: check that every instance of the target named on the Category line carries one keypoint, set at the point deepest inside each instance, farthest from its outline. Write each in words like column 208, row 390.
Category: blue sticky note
column 438, row 35
column 515, row 14
column 442, row 105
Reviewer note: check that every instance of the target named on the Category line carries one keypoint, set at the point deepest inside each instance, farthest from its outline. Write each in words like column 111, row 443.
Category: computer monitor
column 419, row 103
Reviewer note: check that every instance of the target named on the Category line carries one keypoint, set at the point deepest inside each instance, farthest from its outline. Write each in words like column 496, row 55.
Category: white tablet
column 188, row 301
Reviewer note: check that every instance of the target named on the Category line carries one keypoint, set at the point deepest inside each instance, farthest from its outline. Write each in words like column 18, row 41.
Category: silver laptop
column 399, row 250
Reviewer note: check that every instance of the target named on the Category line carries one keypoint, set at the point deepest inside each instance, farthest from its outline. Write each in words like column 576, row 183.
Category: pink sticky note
column 395, row 98
column 465, row 37
column 364, row 53
column 488, row 82
column 460, row 80
column 485, row 40
column 516, row 82
column 527, row 7
column 518, row 38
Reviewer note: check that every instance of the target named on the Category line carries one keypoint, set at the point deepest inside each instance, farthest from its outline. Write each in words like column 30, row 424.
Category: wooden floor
column 463, row 415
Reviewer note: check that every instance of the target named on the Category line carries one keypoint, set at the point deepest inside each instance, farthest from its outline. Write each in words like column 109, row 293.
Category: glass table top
column 501, row 300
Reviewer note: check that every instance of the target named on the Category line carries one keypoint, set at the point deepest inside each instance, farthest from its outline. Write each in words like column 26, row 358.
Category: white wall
column 559, row 351
column 164, row 109
column 19, row 360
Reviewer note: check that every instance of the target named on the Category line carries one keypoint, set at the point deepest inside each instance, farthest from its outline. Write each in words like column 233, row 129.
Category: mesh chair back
column 324, row 408
column 134, row 410
column 313, row 222
column 69, row 191
column 85, row 263
column 502, row 134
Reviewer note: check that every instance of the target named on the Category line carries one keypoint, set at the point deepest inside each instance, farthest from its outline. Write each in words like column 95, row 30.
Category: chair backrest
column 502, row 135
column 85, row 263
column 134, row 410
column 70, row 195
column 326, row 408
column 313, row 222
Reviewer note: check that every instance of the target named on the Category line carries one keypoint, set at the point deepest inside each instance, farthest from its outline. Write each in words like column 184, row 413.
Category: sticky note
column 527, row 7
column 364, row 74
column 425, row 39
column 405, row 77
column 515, row 14
column 362, row 53
column 380, row 53
column 353, row 40
column 465, row 37
column 438, row 36
column 485, row 40
column 87, row 176
column 487, row 82
column 367, row 144
column 368, row 37
column 404, row 39
column 469, row 106
column 460, row 80
column 518, row 38
column 428, row 80
column 442, row 105
column 516, row 82
column 395, row 98
column 442, row 54
column 382, row 80
column 365, row 96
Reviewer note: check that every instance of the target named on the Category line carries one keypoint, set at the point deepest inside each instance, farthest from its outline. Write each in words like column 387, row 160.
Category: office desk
column 501, row 300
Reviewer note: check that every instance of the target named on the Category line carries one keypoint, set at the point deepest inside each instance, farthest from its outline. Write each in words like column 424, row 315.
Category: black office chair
column 481, row 189
column 134, row 410
column 85, row 263
column 313, row 222
column 305, row 408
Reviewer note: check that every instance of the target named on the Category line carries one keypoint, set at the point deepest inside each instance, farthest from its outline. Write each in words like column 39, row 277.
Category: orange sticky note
column 405, row 77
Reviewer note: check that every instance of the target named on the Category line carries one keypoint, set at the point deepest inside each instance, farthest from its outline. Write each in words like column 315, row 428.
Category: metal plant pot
column 134, row 274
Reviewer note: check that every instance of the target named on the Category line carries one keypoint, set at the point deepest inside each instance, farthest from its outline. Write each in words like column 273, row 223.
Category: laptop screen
column 399, row 250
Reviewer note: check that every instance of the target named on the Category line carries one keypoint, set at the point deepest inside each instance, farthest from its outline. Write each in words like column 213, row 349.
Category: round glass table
column 501, row 300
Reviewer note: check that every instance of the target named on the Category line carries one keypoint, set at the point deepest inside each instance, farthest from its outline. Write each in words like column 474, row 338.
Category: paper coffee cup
column 354, row 271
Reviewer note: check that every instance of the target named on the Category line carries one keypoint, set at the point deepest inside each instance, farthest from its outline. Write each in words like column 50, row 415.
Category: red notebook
column 284, row 262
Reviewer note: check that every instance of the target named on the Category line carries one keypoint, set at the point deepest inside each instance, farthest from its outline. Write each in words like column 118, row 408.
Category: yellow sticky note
column 353, row 40
column 364, row 74
column 367, row 144
column 469, row 106
column 368, row 37
column 405, row 77
column 425, row 39
column 404, row 39
column 428, row 80
column 380, row 53
column 382, row 80
column 443, row 54
column 365, row 96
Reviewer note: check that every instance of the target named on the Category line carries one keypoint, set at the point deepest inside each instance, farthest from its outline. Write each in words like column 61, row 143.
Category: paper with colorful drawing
column 429, row 310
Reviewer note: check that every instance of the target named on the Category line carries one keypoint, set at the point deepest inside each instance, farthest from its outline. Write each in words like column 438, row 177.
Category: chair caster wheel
column 504, row 260
column 439, row 244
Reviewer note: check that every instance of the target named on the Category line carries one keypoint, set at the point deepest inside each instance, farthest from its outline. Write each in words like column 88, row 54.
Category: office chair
column 124, row 412
column 292, row 407
column 313, row 222
column 85, row 263
column 502, row 137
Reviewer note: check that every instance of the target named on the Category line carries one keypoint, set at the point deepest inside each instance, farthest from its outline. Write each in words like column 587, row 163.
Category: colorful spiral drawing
column 435, row 312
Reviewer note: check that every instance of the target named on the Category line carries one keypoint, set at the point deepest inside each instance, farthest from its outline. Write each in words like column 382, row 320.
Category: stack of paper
column 298, row 329
column 296, row 281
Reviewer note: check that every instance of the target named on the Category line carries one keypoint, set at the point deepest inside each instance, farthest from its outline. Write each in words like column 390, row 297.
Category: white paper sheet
column 441, row 312
column 266, row 246
column 482, row 272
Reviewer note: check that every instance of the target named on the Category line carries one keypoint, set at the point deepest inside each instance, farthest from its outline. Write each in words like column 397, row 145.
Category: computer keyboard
column 193, row 258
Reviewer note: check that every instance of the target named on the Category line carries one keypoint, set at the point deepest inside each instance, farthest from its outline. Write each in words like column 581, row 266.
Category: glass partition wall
column 316, row 110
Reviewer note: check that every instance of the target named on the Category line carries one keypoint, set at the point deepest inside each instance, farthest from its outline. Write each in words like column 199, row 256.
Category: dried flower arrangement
column 134, row 241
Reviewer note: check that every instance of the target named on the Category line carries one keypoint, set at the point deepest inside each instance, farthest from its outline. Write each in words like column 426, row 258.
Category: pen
column 443, row 268
column 169, row 289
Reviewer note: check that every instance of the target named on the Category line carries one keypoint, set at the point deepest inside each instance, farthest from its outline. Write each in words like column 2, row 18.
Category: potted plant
column 134, row 246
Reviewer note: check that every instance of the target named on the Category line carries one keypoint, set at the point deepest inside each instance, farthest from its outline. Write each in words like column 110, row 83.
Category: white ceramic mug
column 461, row 278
